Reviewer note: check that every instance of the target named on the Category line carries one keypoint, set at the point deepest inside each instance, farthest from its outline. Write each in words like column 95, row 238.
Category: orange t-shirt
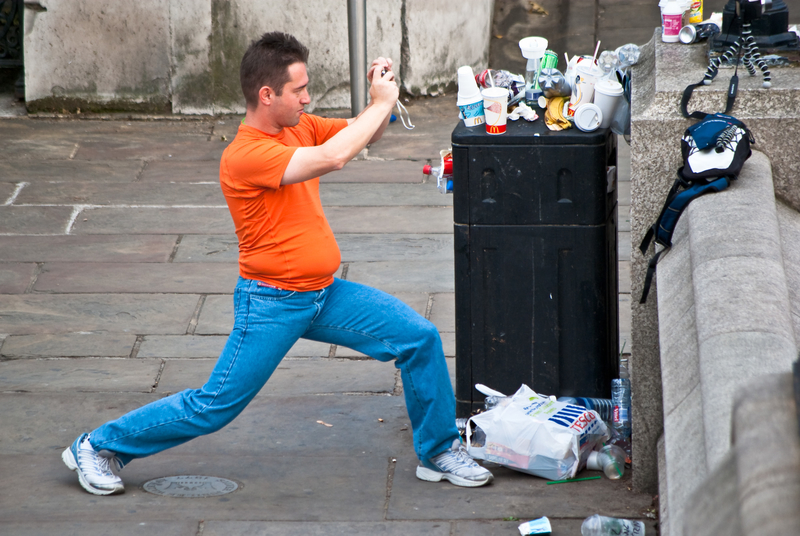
column 284, row 237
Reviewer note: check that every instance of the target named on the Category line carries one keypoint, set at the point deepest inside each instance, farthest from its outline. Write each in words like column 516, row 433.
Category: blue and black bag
column 714, row 151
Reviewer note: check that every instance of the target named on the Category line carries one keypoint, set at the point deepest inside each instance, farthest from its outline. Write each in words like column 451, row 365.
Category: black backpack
column 713, row 151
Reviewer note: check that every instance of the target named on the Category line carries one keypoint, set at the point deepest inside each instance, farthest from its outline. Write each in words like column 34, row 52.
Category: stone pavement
column 117, row 263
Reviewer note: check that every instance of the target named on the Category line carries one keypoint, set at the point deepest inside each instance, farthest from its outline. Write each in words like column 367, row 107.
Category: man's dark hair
column 266, row 63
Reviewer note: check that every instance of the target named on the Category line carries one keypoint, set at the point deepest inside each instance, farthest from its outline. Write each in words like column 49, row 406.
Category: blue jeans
column 268, row 322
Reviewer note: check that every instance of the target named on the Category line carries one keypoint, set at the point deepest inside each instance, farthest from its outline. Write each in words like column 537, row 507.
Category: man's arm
column 310, row 162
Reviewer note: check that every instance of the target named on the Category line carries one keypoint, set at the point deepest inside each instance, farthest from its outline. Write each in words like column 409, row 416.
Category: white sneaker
column 456, row 466
column 94, row 471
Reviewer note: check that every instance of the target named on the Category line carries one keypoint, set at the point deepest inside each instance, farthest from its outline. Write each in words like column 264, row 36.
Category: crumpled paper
column 524, row 111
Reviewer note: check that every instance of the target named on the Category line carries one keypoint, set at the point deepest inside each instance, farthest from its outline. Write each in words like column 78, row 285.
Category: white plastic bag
column 537, row 435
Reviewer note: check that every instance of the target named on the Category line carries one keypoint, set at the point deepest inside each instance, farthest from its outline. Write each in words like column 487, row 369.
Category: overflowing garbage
column 591, row 92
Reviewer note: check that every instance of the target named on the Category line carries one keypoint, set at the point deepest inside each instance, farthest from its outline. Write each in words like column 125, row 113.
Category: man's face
column 288, row 107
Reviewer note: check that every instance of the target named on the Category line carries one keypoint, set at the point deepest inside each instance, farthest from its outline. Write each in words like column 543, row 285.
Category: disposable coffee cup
column 495, row 108
column 470, row 101
column 607, row 97
column 583, row 90
column 588, row 117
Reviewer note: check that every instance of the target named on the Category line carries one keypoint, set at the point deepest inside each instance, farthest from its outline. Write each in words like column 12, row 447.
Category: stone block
column 86, row 375
column 32, row 171
column 34, row 220
column 293, row 377
column 727, row 363
column 399, row 220
column 78, row 277
column 98, row 248
column 28, row 314
column 80, row 344
column 382, row 195
column 15, row 277
column 58, row 72
column 173, row 220
column 95, row 193
column 714, row 508
column 404, row 276
column 377, row 171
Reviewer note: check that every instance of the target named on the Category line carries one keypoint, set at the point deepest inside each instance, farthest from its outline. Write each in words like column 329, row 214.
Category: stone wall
column 182, row 56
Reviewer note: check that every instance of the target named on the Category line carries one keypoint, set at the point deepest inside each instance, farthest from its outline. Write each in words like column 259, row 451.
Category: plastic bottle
column 621, row 398
column 610, row 459
column 671, row 20
column 597, row 525
column 603, row 406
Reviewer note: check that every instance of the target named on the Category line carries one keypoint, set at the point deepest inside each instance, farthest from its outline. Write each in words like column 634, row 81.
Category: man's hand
column 383, row 89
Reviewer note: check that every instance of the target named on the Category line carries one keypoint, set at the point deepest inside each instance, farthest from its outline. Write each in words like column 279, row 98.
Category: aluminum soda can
column 550, row 60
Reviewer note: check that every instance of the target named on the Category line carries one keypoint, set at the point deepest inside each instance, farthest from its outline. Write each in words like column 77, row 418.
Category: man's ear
column 266, row 95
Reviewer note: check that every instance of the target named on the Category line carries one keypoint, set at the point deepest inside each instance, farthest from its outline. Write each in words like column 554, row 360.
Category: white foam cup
column 495, row 108
column 607, row 97
column 588, row 117
column 583, row 90
column 470, row 100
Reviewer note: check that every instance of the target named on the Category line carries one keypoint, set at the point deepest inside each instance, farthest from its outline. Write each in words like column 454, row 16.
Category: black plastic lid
column 523, row 132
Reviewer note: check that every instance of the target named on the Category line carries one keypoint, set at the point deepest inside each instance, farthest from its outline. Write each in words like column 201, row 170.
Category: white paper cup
column 583, row 90
column 495, row 108
column 588, row 117
column 470, row 101
column 607, row 97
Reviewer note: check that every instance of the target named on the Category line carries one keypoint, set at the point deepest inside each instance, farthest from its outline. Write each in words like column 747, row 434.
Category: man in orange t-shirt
column 286, row 289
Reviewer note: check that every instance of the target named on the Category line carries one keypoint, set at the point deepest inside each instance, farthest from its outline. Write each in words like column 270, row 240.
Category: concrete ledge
column 725, row 317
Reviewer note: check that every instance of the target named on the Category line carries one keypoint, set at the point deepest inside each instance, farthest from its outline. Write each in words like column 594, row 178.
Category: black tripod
column 752, row 57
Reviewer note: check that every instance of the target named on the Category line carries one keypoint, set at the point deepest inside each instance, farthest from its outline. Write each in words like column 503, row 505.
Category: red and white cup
column 495, row 109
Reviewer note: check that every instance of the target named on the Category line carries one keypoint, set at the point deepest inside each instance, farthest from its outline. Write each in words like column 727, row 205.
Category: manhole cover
column 191, row 486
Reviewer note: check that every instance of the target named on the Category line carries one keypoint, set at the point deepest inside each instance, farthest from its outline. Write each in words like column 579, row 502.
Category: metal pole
column 357, row 32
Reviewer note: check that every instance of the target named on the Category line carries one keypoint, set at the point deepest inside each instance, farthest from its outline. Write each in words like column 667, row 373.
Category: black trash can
column 535, row 222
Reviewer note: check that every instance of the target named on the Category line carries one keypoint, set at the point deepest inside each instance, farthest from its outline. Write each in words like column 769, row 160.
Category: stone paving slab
column 400, row 220
column 6, row 189
column 68, row 345
column 210, row 346
column 32, row 171
column 323, row 528
column 37, row 148
column 101, row 528
column 624, row 246
column 161, row 146
column 404, row 276
column 443, row 311
column 274, row 487
column 96, row 193
column 512, row 494
column 93, row 277
column 34, row 220
column 180, row 171
column 29, row 314
column 382, row 195
column 624, row 275
column 624, row 219
column 15, row 277
column 98, row 248
column 168, row 220
column 353, row 247
column 83, row 375
column 208, row 248
column 43, row 424
column 395, row 247
column 377, row 171
column 293, row 377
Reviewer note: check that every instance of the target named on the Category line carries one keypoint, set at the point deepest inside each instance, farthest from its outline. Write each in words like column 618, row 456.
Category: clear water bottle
column 621, row 399
column 597, row 525
column 603, row 406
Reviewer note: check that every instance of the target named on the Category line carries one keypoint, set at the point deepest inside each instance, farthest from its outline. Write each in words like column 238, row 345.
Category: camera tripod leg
column 730, row 55
column 753, row 56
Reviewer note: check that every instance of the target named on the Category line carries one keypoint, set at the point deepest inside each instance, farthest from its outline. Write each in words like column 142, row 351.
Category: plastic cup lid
column 533, row 47
column 588, row 117
column 611, row 88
